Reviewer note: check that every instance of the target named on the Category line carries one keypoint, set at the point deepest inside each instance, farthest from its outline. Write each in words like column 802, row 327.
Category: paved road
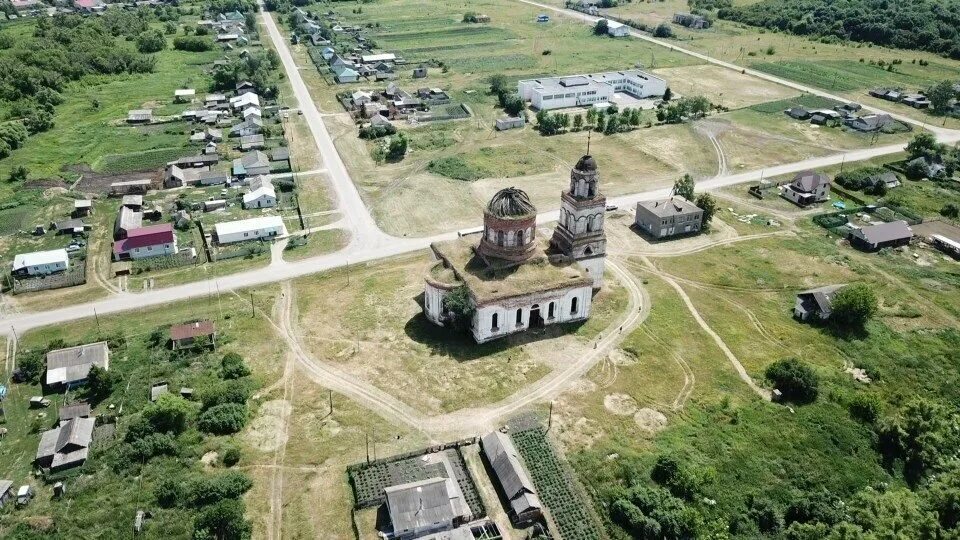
column 368, row 242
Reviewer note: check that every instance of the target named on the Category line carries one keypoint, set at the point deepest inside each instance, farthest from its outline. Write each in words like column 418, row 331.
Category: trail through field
column 737, row 365
column 689, row 378
column 712, row 131
column 275, row 530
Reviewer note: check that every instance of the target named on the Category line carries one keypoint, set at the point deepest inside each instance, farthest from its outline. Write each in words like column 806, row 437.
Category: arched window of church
column 550, row 311
column 494, row 321
column 591, row 189
column 519, row 237
column 500, row 238
column 574, row 306
column 519, row 316
column 589, row 224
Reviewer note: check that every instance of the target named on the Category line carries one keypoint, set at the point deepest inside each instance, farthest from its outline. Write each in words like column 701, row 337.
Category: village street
column 368, row 242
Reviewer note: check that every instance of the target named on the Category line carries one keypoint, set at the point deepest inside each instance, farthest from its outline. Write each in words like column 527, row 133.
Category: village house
column 514, row 280
column 250, row 126
column 807, row 188
column 798, row 113
column 252, row 142
column 139, row 116
column 344, row 74
column 133, row 202
column 917, row 101
column 82, row 208
column 151, row 241
column 815, row 303
column 70, row 366
column 40, row 263
column 617, row 29
column 73, row 226
column 582, row 90
column 65, row 446
column 185, row 336
column 258, row 228
column 242, row 101
column 512, row 480
column 888, row 179
column 261, row 195
column 6, row 492
column 882, row 235
column 76, row 410
column 670, row 217
column 196, row 162
column 89, row 6
column 377, row 58
column 212, row 178
column 130, row 187
column 947, row 245
column 509, row 122
column 869, row 122
column 25, row 6
column 927, row 167
column 425, row 507
column 251, row 164
column 696, row 22
column 127, row 220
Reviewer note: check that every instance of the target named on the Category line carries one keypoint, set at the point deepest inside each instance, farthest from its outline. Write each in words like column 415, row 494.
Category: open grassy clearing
column 316, row 498
column 383, row 337
column 318, row 243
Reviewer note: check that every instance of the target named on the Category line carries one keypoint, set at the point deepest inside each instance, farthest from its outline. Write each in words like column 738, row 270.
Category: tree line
column 905, row 24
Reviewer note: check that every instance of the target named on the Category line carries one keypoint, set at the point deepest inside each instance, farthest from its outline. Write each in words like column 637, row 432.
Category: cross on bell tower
column 579, row 233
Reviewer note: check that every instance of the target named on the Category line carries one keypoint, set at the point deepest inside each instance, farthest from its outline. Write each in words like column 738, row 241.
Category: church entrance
column 536, row 320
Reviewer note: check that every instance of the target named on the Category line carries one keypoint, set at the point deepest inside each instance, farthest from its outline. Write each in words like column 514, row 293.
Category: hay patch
column 620, row 404
column 650, row 420
column 266, row 432
column 620, row 357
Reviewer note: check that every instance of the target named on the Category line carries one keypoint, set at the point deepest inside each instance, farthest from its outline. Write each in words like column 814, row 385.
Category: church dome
column 586, row 164
column 511, row 203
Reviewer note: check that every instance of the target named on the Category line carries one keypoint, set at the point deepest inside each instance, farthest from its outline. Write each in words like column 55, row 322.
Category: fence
column 72, row 277
column 223, row 254
column 446, row 112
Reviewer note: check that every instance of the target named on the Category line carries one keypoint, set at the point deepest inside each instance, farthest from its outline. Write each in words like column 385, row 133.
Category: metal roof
column 73, row 363
column 192, row 330
column 252, row 224
column 674, row 206
column 420, row 504
column 510, row 472
column 23, row 260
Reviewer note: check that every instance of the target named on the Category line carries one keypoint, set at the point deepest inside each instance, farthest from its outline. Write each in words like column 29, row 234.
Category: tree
column 943, row 496
column 151, row 41
column 38, row 121
column 925, row 145
column 498, row 84
column 513, row 104
column 613, row 125
column 232, row 366
column 100, row 382
column 940, row 96
column 663, row 30
column 923, row 435
column 578, row 122
column 397, row 148
column 459, row 308
column 222, row 521
column 950, row 210
column 895, row 513
column 708, row 204
column 29, row 368
column 794, row 379
column 223, row 419
column 667, row 94
column 601, row 28
column 231, row 456
column 601, row 122
column 684, row 187
column 853, row 306
column 169, row 414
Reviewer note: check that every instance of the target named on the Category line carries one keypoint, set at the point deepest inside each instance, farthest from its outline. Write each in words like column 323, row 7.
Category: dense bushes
column 192, row 43
column 376, row 132
column 906, row 24
column 233, row 367
column 852, row 307
column 151, row 41
column 794, row 379
column 223, row 419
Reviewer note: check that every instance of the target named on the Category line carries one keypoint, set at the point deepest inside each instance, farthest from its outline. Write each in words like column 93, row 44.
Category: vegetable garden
column 571, row 509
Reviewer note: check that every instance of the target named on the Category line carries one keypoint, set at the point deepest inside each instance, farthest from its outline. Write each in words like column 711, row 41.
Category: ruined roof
column 822, row 297
column 511, row 203
column 489, row 282
column 586, row 164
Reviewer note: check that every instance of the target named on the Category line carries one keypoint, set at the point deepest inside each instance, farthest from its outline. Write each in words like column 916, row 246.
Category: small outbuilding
column 184, row 336
column 65, row 446
column 815, row 303
column 139, row 116
column 6, row 492
column 883, row 235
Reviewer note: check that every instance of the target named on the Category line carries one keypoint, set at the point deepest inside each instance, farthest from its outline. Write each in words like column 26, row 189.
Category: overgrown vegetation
column 907, row 24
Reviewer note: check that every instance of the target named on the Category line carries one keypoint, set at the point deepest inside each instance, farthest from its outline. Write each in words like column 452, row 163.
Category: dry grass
column 723, row 86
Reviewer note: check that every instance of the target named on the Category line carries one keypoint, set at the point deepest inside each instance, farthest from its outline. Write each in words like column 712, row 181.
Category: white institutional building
column 579, row 90
column 514, row 280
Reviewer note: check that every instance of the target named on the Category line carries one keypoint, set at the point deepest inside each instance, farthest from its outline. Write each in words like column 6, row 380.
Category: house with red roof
column 144, row 242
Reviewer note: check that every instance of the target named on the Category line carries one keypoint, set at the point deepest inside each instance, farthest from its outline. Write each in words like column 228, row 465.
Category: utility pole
column 330, row 394
column 253, row 312
column 842, row 161
column 550, row 419
column 97, row 317
column 219, row 305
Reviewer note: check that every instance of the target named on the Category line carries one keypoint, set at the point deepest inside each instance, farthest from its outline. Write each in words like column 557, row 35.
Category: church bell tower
column 579, row 233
